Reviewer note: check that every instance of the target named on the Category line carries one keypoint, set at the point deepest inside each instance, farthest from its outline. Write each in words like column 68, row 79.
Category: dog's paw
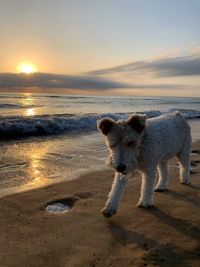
column 186, row 182
column 108, row 212
column 144, row 204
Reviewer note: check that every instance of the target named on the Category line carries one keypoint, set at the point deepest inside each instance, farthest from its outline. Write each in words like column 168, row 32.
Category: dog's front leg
column 114, row 196
column 147, row 189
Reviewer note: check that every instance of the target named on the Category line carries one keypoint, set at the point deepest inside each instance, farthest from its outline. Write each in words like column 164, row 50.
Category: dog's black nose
column 121, row 168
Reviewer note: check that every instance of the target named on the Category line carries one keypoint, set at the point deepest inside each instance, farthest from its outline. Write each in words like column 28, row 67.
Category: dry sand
column 166, row 235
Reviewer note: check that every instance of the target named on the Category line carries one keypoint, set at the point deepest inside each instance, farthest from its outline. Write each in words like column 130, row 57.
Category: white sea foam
column 21, row 126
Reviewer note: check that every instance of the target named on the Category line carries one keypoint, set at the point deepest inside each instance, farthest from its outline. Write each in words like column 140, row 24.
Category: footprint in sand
column 65, row 204
column 195, row 152
column 194, row 166
column 60, row 205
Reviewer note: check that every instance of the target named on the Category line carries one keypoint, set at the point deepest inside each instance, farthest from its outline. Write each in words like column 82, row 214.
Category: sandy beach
column 166, row 235
column 88, row 84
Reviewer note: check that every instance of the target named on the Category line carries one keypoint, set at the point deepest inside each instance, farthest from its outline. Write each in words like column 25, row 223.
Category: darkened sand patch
column 166, row 235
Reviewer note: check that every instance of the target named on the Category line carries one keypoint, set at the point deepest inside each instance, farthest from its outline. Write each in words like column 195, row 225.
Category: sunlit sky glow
column 26, row 67
column 134, row 47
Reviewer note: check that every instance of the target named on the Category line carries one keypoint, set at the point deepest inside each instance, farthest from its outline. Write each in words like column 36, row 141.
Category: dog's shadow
column 177, row 195
column 125, row 236
column 163, row 255
column 181, row 225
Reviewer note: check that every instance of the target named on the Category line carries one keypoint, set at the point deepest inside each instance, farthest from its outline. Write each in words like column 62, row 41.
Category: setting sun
column 27, row 67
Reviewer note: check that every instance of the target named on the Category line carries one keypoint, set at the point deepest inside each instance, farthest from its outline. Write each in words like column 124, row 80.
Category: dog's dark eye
column 130, row 143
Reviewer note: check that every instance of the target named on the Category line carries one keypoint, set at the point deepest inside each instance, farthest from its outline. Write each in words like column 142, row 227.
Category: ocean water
column 48, row 138
column 25, row 115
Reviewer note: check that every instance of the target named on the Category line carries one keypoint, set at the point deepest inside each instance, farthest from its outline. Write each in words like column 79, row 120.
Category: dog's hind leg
column 184, row 162
column 115, row 194
column 147, row 189
column 163, row 177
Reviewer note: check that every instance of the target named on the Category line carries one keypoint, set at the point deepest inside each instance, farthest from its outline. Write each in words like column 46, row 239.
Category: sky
column 120, row 47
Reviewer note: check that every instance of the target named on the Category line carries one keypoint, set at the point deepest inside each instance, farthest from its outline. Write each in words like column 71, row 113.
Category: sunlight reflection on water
column 37, row 165
column 30, row 112
column 49, row 160
column 28, row 101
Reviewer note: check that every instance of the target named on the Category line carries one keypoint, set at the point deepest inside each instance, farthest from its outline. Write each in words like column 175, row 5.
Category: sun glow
column 27, row 67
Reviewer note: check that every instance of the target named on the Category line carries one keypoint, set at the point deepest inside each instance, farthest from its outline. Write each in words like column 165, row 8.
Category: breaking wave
column 20, row 126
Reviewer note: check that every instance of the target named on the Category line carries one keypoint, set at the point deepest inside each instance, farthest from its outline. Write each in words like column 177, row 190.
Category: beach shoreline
column 167, row 234
column 31, row 164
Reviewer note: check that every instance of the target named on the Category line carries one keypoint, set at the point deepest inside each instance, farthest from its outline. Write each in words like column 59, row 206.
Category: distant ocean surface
column 51, row 138
column 23, row 115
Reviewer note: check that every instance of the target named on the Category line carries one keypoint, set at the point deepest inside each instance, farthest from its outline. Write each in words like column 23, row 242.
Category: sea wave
column 5, row 105
column 15, row 106
column 21, row 126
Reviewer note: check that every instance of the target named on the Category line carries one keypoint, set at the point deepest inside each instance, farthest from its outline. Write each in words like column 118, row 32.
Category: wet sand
column 166, row 235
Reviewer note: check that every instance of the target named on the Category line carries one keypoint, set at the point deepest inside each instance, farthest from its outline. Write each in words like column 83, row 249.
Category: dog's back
column 165, row 136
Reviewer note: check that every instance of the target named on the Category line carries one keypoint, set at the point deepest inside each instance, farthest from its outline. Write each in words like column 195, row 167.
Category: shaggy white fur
column 145, row 145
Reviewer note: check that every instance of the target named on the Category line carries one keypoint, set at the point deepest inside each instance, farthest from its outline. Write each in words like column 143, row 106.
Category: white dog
column 145, row 145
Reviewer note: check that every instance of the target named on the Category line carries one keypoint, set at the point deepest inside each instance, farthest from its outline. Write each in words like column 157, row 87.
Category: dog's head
column 123, row 139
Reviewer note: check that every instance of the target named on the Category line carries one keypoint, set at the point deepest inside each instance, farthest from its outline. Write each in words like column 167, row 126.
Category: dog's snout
column 121, row 168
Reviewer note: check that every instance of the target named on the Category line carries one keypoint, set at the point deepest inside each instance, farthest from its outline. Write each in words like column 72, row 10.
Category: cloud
column 47, row 80
column 57, row 81
column 157, row 86
column 164, row 67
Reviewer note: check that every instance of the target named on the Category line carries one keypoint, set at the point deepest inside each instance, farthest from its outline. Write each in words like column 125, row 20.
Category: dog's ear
column 105, row 125
column 137, row 122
